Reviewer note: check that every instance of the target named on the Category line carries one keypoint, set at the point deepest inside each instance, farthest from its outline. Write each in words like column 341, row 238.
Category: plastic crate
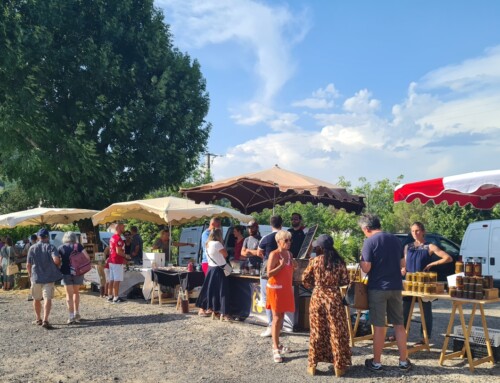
column 477, row 335
column 477, row 350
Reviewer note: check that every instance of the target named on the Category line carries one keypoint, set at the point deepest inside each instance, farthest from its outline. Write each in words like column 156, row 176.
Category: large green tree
column 96, row 105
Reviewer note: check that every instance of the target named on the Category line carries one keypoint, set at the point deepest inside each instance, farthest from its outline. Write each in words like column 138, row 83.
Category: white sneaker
column 267, row 332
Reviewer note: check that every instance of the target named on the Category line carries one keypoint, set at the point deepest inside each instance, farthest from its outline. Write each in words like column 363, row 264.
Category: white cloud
column 323, row 98
column 269, row 31
column 431, row 133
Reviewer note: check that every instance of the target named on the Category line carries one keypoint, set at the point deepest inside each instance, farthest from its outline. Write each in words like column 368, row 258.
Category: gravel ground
column 139, row 342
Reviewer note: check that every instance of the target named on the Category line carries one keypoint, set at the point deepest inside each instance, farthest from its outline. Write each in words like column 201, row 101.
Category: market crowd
column 275, row 256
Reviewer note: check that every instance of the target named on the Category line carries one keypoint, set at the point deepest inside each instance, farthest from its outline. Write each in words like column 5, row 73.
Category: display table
column 417, row 298
column 458, row 304
column 173, row 277
column 457, row 307
column 354, row 329
column 241, row 294
column 131, row 277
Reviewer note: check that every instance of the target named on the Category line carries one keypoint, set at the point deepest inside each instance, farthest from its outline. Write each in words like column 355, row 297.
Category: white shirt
column 215, row 258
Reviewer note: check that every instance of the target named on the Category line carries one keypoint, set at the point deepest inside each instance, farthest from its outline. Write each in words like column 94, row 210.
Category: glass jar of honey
column 459, row 267
column 453, row 292
column 478, row 288
column 460, row 280
column 415, row 287
column 409, row 277
column 433, row 277
column 478, row 269
column 425, row 278
column 421, row 286
column 409, row 286
column 466, row 279
column 469, row 269
column 418, row 276
column 478, row 295
column 460, row 293
column 427, row 289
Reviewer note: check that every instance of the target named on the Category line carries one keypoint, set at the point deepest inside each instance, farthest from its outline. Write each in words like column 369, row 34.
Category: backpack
column 79, row 264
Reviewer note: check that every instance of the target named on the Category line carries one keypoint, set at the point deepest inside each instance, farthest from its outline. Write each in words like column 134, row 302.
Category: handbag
column 356, row 295
column 12, row 269
column 226, row 268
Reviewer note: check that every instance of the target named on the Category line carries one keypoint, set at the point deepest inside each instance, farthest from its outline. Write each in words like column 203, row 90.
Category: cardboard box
column 149, row 258
column 490, row 293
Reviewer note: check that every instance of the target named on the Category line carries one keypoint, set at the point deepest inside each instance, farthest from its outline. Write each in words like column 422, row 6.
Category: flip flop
column 37, row 322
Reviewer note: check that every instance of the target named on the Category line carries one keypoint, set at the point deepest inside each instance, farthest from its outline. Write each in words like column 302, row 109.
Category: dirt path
column 139, row 342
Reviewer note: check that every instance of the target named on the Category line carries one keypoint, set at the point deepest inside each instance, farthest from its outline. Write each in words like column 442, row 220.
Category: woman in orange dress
column 329, row 335
column 279, row 288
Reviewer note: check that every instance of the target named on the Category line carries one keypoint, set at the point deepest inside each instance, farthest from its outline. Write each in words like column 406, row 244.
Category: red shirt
column 237, row 250
column 116, row 242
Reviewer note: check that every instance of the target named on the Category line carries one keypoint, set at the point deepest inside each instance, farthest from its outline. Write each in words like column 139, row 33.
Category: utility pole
column 210, row 158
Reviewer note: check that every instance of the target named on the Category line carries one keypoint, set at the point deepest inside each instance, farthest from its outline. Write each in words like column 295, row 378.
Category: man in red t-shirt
column 116, row 261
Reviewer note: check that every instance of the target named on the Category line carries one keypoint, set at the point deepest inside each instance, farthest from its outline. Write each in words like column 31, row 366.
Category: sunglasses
column 287, row 240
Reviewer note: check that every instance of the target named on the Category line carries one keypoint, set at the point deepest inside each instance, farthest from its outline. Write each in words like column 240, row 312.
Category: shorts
column 115, row 272
column 69, row 280
column 42, row 290
column 382, row 302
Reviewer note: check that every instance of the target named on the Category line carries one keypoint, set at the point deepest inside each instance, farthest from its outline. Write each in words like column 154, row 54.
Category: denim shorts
column 382, row 302
column 69, row 280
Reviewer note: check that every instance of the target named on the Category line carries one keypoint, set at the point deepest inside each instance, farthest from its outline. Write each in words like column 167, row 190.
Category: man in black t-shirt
column 298, row 235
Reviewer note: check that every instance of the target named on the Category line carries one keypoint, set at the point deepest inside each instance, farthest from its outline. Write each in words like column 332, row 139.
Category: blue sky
column 332, row 88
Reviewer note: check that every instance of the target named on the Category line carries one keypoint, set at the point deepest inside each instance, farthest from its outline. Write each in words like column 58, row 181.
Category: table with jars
column 471, row 288
column 355, row 275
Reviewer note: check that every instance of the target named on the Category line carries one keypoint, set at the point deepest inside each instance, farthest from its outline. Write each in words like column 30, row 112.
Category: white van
column 481, row 243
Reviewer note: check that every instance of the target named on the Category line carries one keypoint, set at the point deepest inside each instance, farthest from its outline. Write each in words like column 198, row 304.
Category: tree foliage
column 96, row 105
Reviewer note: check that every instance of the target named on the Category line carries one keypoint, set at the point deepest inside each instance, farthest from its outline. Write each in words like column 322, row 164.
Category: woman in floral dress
column 329, row 335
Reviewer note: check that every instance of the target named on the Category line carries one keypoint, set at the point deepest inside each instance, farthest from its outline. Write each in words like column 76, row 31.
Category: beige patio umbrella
column 253, row 192
column 44, row 216
column 166, row 210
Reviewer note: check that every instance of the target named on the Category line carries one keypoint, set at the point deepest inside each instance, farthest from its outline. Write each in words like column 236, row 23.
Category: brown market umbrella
column 254, row 192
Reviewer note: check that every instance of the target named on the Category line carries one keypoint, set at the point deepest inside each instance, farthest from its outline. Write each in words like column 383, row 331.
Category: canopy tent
column 44, row 216
column 480, row 189
column 166, row 210
column 253, row 192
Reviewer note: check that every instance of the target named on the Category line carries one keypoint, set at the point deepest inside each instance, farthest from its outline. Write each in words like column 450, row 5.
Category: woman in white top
column 214, row 291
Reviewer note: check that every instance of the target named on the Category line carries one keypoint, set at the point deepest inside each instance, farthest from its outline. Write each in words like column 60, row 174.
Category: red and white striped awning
column 480, row 189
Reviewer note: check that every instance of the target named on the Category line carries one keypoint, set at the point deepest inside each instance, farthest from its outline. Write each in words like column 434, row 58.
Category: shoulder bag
column 356, row 295
column 12, row 268
column 226, row 268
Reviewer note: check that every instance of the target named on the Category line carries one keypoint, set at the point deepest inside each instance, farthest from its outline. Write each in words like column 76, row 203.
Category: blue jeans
column 427, row 306
column 263, row 296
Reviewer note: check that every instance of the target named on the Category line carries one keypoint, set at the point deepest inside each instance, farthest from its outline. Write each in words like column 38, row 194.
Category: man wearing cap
column 43, row 269
column 250, row 248
column 297, row 231
column 116, row 261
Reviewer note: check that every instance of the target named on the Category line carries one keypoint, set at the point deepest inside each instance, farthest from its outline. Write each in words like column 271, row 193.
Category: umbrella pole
column 170, row 243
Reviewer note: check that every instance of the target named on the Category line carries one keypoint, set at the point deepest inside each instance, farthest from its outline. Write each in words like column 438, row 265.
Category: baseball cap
column 252, row 223
column 324, row 241
column 43, row 233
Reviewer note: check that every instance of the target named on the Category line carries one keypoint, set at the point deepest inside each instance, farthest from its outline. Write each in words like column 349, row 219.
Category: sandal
column 38, row 322
column 215, row 315
column 226, row 318
column 390, row 338
column 283, row 349
column 203, row 314
column 277, row 356
column 47, row 325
